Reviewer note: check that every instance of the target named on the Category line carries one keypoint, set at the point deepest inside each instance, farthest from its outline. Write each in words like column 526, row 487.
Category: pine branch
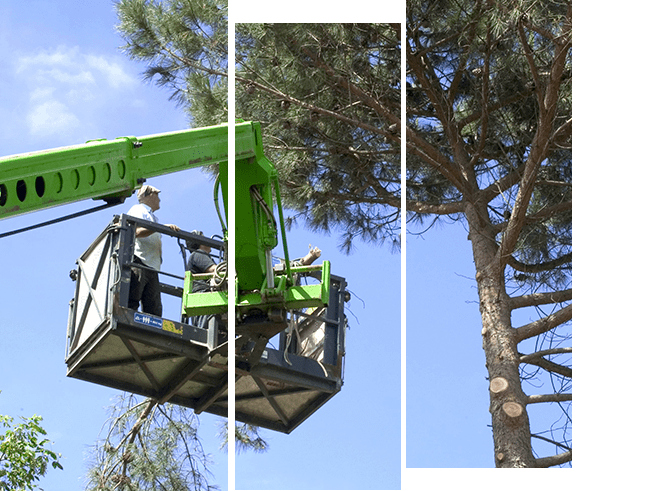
column 494, row 107
column 430, row 82
column 556, row 78
column 543, row 325
column 554, row 460
column 411, row 205
column 484, row 120
column 539, row 267
column 540, row 398
column 429, row 154
column 548, row 440
column 537, row 29
column 435, row 209
column 365, row 153
column 391, row 132
column 546, row 352
column 180, row 433
column 548, row 182
column 529, row 58
column 415, row 144
column 132, row 434
column 540, row 216
column 341, row 117
column 501, row 185
column 352, row 88
column 549, row 366
column 469, row 45
column 560, row 131
column 535, row 299
column 151, row 403
column 539, row 146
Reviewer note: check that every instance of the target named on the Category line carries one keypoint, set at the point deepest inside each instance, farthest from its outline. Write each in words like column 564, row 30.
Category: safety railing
column 278, row 384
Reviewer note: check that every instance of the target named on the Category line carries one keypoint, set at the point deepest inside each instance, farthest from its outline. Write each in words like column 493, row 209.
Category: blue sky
column 65, row 81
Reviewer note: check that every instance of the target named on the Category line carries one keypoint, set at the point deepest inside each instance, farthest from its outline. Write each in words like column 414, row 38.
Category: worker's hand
column 173, row 227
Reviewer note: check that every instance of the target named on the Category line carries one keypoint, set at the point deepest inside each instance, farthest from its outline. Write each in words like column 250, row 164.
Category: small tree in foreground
column 25, row 456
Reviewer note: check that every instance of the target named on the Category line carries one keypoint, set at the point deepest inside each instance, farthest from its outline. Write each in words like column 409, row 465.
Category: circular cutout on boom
column 21, row 190
column 58, row 182
column 40, row 186
column 74, row 176
column 106, row 172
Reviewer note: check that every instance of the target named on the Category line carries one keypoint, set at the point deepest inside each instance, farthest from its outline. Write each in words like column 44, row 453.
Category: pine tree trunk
column 511, row 426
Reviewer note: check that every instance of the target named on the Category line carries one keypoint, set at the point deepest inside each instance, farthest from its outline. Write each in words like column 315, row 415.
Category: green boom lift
column 171, row 359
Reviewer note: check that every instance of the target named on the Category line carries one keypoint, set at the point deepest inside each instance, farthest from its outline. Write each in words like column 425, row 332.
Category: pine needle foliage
column 147, row 446
column 480, row 78
column 328, row 97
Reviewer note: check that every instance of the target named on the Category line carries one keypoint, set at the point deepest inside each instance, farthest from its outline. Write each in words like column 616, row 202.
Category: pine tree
column 489, row 124
column 489, row 143
column 150, row 446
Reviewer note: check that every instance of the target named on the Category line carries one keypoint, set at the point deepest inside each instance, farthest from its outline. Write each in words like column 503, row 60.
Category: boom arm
column 103, row 169
column 111, row 170
column 112, row 344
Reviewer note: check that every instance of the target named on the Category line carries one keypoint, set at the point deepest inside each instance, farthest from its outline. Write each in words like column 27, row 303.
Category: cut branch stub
column 498, row 385
column 512, row 409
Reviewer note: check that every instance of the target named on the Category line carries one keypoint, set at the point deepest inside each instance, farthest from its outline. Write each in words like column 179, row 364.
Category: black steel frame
column 173, row 361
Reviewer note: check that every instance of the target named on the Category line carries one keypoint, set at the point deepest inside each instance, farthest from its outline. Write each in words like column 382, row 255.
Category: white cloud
column 67, row 65
column 81, row 96
column 50, row 118
column 66, row 89
column 41, row 93
column 62, row 56
column 116, row 76
column 76, row 77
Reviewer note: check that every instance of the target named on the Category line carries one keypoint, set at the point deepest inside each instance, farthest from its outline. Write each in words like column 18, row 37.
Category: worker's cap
column 146, row 190
column 191, row 244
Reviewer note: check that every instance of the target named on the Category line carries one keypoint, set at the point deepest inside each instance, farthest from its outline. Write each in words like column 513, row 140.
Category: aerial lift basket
column 174, row 361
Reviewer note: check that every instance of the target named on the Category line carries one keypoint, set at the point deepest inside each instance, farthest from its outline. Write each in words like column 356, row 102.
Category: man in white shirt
column 144, row 284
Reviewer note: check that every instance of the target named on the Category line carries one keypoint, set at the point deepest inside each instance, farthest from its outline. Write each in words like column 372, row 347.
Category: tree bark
column 510, row 423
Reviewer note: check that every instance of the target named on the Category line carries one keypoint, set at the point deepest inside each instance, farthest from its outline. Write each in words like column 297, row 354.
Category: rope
column 58, row 220
column 219, row 279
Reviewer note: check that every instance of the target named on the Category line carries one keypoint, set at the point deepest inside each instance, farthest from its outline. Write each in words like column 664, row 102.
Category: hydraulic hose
column 217, row 184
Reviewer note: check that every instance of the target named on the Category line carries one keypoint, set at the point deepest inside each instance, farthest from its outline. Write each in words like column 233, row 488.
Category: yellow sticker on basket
column 170, row 326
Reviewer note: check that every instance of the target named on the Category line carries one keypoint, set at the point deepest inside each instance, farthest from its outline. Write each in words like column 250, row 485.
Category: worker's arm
column 145, row 232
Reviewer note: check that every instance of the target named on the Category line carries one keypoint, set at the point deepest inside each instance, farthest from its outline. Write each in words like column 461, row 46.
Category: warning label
column 157, row 322
column 148, row 320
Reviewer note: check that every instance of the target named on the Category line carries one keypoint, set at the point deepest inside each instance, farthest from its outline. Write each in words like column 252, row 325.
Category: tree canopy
column 488, row 143
column 489, row 119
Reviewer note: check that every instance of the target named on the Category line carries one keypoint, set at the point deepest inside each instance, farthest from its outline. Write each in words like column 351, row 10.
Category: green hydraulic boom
column 182, row 360
column 111, row 170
